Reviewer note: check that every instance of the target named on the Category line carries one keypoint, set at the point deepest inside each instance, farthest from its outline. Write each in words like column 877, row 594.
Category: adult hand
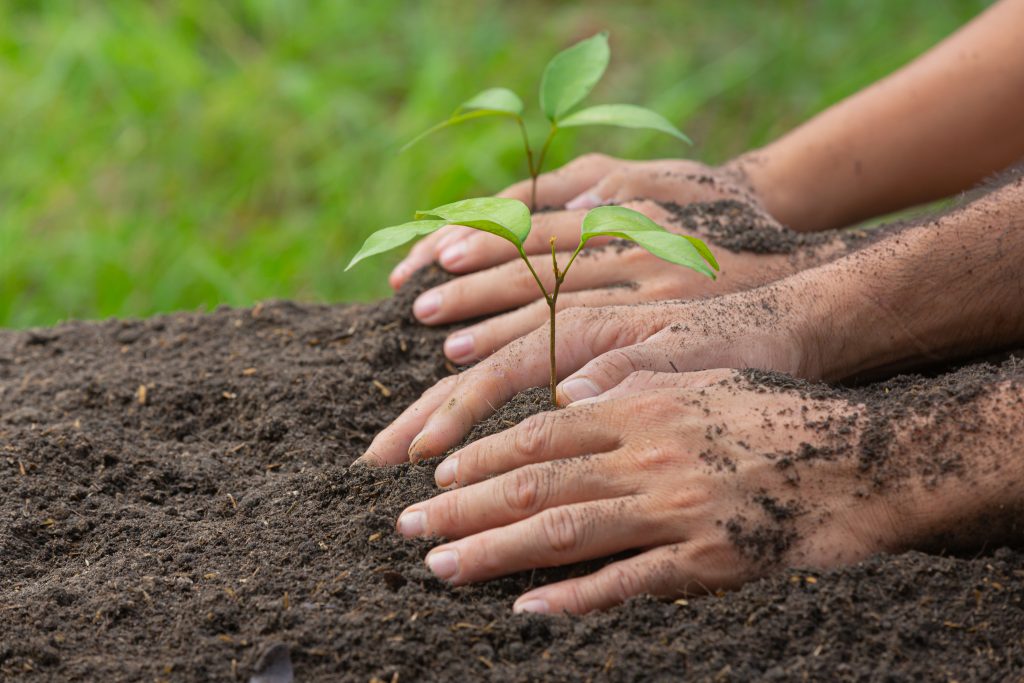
column 770, row 327
column 683, row 466
column 599, row 277
column 582, row 184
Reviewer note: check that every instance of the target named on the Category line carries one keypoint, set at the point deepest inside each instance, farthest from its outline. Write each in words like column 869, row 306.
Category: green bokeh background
column 167, row 155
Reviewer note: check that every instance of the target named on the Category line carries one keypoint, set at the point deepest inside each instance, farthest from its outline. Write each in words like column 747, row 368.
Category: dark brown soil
column 208, row 527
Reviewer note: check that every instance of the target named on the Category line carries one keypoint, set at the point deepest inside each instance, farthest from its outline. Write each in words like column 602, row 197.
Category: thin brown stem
column 553, row 307
column 535, row 170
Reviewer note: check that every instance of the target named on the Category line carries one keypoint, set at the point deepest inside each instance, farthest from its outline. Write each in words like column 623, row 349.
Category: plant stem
column 553, row 307
column 535, row 170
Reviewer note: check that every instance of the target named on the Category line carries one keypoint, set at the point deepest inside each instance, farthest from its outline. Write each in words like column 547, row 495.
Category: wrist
column 967, row 488
column 763, row 172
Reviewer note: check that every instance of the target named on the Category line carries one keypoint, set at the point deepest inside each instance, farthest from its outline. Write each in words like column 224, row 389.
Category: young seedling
column 510, row 219
column 567, row 79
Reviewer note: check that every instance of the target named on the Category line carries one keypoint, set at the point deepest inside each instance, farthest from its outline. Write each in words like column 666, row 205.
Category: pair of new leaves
column 510, row 219
column 568, row 78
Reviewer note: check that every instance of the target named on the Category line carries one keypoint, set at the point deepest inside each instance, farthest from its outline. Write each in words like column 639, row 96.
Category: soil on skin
column 177, row 505
column 739, row 227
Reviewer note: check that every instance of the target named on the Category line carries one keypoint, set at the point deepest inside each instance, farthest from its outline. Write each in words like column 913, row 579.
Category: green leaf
column 507, row 218
column 624, row 116
column 703, row 250
column 572, row 74
column 490, row 102
column 386, row 239
column 495, row 100
column 618, row 221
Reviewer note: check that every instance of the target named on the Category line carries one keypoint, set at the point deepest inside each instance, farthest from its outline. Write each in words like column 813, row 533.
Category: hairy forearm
column 933, row 128
column 941, row 290
column 966, row 466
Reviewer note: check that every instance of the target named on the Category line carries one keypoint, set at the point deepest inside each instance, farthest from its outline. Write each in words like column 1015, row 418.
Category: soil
column 177, row 505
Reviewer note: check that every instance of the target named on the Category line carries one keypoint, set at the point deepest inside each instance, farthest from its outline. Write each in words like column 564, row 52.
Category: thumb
column 611, row 368
column 608, row 190
column 646, row 380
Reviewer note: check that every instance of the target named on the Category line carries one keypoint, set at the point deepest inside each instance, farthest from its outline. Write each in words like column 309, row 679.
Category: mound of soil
column 177, row 505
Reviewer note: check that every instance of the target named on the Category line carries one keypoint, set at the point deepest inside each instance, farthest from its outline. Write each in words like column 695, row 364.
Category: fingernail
column 361, row 461
column 443, row 564
column 459, row 346
column 414, row 453
column 427, row 304
column 533, row 606
column 448, row 238
column 579, row 389
column 444, row 475
column 587, row 200
column 453, row 254
column 412, row 523
column 400, row 271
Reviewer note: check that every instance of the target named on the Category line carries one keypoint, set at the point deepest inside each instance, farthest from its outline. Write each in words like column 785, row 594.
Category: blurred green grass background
column 168, row 155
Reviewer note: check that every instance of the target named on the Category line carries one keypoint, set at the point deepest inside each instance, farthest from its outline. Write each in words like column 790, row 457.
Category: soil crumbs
column 177, row 505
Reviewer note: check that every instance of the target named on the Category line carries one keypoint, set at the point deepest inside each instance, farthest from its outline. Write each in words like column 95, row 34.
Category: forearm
column 933, row 128
column 965, row 461
column 948, row 288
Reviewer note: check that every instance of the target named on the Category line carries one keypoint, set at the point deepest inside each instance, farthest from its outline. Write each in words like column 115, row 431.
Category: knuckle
column 624, row 583
column 654, row 455
column 533, row 434
column 524, row 490
column 620, row 362
column 640, row 378
column 446, row 513
column 560, row 530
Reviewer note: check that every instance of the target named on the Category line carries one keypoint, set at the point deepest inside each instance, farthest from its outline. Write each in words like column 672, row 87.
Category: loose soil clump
column 177, row 505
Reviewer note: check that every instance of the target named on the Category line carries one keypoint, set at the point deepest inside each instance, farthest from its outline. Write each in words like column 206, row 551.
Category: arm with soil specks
column 948, row 288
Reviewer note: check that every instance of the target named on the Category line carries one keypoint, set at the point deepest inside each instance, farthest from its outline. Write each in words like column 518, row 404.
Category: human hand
column 771, row 327
column 580, row 185
column 601, row 277
column 685, row 467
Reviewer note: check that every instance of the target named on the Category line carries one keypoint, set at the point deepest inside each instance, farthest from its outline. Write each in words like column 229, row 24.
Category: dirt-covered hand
column 764, row 328
column 685, row 468
column 580, row 185
column 616, row 274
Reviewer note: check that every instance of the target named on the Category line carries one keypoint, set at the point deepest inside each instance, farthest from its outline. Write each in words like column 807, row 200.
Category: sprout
column 568, row 78
column 510, row 220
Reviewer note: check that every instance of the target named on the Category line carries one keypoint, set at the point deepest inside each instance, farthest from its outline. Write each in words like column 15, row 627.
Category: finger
column 483, row 339
column 424, row 252
column 510, row 498
column 389, row 446
column 666, row 571
column 647, row 380
column 553, row 537
column 539, row 438
column 585, row 333
column 503, row 287
column 587, row 200
column 557, row 187
column 663, row 352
